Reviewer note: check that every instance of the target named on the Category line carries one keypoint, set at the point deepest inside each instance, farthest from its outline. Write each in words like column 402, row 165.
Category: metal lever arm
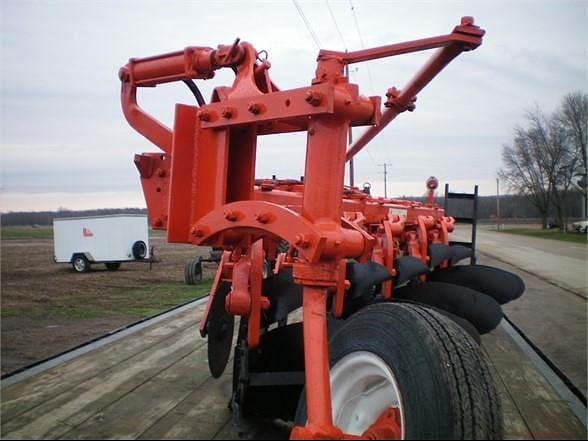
column 464, row 37
column 466, row 34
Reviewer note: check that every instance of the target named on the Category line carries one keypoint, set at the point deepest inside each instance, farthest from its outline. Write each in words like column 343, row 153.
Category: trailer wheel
column 192, row 272
column 80, row 264
column 112, row 266
column 139, row 250
column 416, row 363
column 188, row 277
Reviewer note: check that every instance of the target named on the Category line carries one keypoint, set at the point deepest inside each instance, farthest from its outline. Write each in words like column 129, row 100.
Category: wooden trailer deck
column 154, row 383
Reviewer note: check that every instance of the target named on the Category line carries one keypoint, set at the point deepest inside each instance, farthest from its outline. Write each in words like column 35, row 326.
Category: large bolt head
column 254, row 108
column 227, row 112
column 204, row 115
column 313, row 98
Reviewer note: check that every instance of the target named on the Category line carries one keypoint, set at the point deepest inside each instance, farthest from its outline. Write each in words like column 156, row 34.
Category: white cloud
column 61, row 119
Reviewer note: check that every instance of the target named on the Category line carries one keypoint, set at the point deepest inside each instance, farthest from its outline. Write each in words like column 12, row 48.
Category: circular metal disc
column 220, row 329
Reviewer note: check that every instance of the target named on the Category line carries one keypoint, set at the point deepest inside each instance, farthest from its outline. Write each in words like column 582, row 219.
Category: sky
column 64, row 142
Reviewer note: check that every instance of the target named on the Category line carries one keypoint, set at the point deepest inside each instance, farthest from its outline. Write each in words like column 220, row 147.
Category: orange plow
column 387, row 344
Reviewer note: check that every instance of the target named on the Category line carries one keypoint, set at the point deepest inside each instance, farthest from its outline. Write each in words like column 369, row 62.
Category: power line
column 367, row 149
column 362, row 44
column 307, row 24
column 336, row 25
column 319, row 45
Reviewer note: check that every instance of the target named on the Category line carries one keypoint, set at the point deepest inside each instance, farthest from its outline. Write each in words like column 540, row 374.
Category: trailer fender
column 86, row 254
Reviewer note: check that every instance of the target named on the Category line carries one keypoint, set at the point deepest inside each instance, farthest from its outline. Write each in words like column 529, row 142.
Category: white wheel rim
column 362, row 387
column 79, row 264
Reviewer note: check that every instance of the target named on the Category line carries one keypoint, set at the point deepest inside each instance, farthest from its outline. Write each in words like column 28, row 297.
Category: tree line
column 31, row 218
column 546, row 161
column 511, row 207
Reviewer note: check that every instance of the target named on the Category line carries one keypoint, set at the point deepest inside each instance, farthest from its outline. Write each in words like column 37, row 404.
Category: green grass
column 44, row 232
column 548, row 234
column 135, row 302
column 158, row 298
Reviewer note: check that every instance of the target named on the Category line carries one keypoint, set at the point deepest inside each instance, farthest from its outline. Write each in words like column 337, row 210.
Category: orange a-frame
column 202, row 189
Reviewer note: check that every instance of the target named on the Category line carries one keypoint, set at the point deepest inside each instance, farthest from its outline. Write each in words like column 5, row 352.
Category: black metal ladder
column 473, row 220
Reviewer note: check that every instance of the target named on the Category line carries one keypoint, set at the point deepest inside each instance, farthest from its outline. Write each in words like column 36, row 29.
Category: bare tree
column 526, row 169
column 565, row 161
column 548, row 158
column 573, row 116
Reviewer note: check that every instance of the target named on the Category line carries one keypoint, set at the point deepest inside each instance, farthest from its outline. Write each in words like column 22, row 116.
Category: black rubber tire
column 479, row 309
column 463, row 323
column 188, row 272
column 80, row 263
column 502, row 286
column 446, row 387
column 139, row 250
column 112, row 266
column 197, row 271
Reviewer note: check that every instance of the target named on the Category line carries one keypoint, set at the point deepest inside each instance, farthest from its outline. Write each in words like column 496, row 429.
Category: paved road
column 563, row 263
column 552, row 312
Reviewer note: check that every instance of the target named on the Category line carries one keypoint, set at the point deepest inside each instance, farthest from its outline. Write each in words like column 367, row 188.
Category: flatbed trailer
column 152, row 381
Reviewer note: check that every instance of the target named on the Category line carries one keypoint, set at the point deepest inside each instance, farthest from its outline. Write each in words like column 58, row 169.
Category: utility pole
column 351, row 171
column 385, row 165
column 497, row 205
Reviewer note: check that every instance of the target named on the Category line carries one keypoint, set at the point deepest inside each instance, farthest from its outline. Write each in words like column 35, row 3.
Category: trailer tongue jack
column 371, row 358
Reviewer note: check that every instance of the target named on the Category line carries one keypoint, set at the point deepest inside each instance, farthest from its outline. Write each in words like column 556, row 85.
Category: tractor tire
column 112, row 266
column 411, row 358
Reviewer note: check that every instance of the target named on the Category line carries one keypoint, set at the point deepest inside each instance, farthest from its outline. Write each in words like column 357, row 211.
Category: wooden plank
column 86, row 399
column 515, row 426
column 260, row 430
column 200, row 416
column 25, row 395
column 163, row 390
column 158, row 396
column 546, row 416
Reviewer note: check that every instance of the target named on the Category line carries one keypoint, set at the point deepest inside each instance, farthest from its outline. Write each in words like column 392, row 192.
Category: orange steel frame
column 202, row 187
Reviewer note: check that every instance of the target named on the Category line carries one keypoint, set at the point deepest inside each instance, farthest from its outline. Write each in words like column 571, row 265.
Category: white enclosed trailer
column 110, row 240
